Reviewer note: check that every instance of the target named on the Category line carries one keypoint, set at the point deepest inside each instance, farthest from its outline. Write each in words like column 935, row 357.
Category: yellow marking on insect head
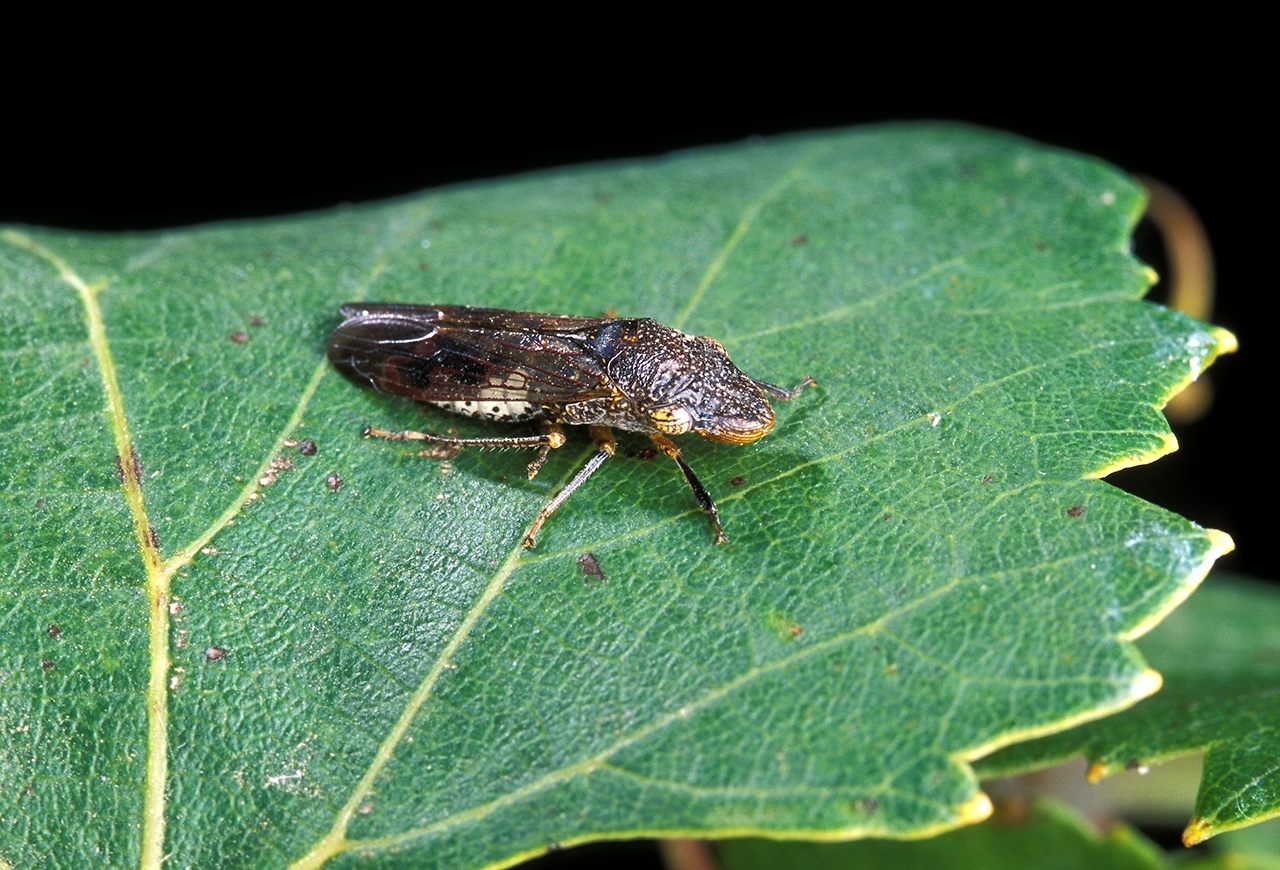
column 673, row 420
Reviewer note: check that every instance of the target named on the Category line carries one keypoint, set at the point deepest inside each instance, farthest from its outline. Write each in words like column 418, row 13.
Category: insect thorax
column 614, row 412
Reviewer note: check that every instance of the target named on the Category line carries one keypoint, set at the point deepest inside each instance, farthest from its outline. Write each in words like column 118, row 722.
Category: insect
column 610, row 373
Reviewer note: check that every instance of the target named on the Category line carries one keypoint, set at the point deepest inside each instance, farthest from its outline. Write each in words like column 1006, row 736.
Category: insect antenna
column 779, row 392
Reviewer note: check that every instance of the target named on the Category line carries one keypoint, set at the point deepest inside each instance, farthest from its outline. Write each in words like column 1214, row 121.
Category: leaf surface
column 1043, row 835
column 228, row 653
column 1220, row 658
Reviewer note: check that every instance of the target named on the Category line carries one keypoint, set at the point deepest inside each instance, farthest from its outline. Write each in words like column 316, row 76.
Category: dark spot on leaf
column 53, row 630
column 1041, row 247
column 986, row 478
column 214, row 654
column 307, row 448
column 867, row 805
column 891, row 670
column 255, row 321
column 119, row 468
column 1135, row 764
column 887, row 517
column 422, row 267
column 436, row 224
column 737, row 480
column 84, row 360
column 602, row 197
column 799, row 240
column 137, row 465
column 334, row 483
column 590, row 566
column 239, row 337
column 1075, row 510
column 152, row 538
column 46, row 664
column 794, row 630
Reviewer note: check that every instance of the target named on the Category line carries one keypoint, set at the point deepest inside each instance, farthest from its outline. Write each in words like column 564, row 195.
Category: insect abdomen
column 494, row 409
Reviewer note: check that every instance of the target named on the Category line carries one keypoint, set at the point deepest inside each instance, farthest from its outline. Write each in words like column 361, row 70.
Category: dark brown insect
column 512, row 366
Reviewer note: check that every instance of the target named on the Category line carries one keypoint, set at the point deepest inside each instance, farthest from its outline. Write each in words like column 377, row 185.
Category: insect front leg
column 603, row 437
column 699, row 491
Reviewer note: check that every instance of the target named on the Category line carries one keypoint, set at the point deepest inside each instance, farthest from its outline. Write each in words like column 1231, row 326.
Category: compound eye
column 671, row 420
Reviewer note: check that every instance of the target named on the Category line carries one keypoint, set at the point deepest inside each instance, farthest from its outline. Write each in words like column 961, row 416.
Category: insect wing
column 455, row 353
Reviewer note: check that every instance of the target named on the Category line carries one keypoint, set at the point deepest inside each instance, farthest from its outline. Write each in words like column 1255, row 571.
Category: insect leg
column 699, row 491
column 774, row 390
column 556, row 438
column 604, row 440
column 547, row 439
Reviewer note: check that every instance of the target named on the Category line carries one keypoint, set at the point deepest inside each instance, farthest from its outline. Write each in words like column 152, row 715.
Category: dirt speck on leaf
column 590, row 566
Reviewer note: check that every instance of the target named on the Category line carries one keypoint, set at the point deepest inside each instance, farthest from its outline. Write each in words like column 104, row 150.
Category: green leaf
column 1043, row 835
column 1220, row 657
column 256, row 666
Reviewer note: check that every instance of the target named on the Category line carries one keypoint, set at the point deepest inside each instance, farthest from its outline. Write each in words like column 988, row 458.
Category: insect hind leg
column 606, row 444
column 449, row 447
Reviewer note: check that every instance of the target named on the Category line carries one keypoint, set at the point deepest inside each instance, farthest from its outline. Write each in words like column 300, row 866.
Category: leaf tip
column 1168, row 443
column 1220, row 544
column 1147, row 683
column 1197, row 832
column 1226, row 340
column 976, row 810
